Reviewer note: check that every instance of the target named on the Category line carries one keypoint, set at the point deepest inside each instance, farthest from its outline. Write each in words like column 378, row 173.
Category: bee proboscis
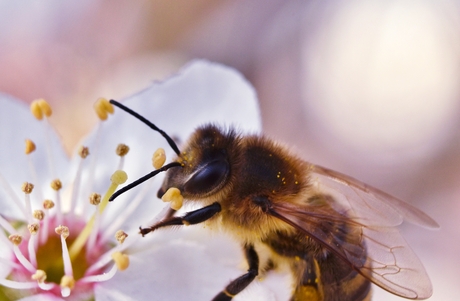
column 336, row 234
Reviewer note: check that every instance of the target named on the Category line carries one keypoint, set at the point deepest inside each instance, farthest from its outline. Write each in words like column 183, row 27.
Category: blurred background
column 368, row 88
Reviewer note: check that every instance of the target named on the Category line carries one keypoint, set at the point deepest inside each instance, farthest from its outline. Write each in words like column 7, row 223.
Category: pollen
column 174, row 196
column 27, row 187
column 159, row 158
column 39, row 214
column 119, row 177
column 56, row 184
column 16, row 239
column 103, row 108
column 122, row 150
column 95, row 199
column 48, row 204
column 120, row 236
column 83, row 152
column 121, row 260
column 39, row 275
column 62, row 231
column 30, row 147
column 40, row 108
column 33, row 228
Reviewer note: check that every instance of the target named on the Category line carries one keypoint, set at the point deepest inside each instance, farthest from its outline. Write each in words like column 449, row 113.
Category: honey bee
column 336, row 234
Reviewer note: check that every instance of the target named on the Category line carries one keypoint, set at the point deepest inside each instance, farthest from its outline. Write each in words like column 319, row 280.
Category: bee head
column 200, row 170
column 205, row 164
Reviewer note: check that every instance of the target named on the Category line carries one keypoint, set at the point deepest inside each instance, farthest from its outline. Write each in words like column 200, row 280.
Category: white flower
column 69, row 251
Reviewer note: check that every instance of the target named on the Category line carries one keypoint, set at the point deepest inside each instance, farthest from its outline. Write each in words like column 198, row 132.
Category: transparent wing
column 369, row 203
column 376, row 249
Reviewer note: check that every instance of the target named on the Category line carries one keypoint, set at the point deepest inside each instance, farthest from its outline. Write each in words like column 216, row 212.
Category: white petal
column 16, row 125
column 202, row 92
column 177, row 269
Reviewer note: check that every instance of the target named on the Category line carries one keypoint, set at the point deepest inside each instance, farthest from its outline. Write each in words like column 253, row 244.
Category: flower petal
column 202, row 92
column 16, row 125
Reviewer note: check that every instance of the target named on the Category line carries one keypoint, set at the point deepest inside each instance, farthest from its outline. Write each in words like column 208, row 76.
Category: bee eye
column 207, row 178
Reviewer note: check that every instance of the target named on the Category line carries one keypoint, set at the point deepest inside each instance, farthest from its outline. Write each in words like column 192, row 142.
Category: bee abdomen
column 320, row 281
column 319, row 276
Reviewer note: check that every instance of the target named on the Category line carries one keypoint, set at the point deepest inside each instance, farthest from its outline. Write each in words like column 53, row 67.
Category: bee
column 336, row 234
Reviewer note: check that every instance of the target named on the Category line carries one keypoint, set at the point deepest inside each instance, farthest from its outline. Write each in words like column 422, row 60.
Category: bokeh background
column 369, row 88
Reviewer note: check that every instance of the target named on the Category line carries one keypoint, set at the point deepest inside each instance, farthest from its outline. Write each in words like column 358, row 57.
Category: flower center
column 50, row 259
column 61, row 252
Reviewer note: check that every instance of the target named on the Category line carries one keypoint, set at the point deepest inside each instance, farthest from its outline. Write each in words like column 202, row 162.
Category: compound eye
column 207, row 178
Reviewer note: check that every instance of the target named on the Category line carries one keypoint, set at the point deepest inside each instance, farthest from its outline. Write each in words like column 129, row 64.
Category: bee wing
column 369, row 203
column 380, row 253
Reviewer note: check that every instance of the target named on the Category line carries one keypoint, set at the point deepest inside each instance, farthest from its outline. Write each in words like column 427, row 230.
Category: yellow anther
column 122, row 150
column 39, row 275
column 95, row 198
column 121, row 260
column 38, row 214
column 36, row 111
column 83, row 152
column 45, row 107
column 33, row 228
column 120, row 236
column 30, row 146
column 159, row 158
column 27, row 187
column 62, row 230
column 16, row 239
column 67, row 282
column 174, row 196
column 40, row 108
column 103, row 108
column 119, row 177
column 48, row 204
column 56, row 184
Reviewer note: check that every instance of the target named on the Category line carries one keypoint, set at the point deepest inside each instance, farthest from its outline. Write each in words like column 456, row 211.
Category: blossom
column 56, row 245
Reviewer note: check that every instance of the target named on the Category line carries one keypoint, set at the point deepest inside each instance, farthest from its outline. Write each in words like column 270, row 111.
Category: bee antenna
column 148, row 123
column 143, row 179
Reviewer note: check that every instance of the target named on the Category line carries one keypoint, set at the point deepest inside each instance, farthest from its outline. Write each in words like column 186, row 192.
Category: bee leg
column 190, row 218
column 240, row 283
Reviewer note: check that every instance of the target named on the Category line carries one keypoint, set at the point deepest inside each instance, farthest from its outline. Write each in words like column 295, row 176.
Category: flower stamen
column 103, row 107
column 121, row 151
column 39, row 275
column 159, row 158
column 101, row 277
column 120, row 236
column 118, row 177
column 83, row 153
column 33, row 229
column 39, row 215
column 27, row 188
column 67, row 285
column 67, row 281
column 121, row 260
column 56, row 185
column 30, row 147
column 95, row 199
column 41, row 108
column 47, row 205
column 21, row 258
